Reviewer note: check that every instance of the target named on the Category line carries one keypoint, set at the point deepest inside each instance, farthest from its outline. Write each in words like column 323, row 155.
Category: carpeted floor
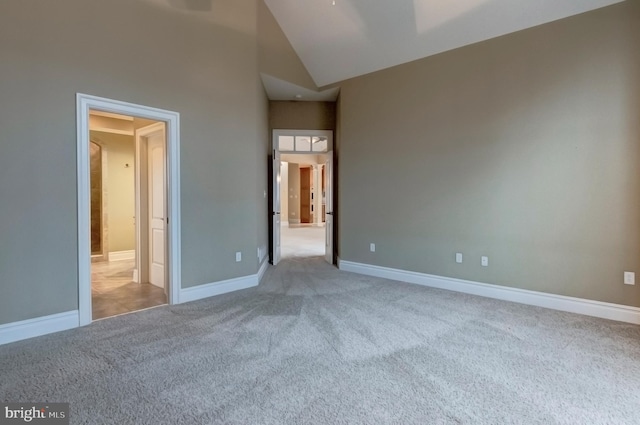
column 313, row 345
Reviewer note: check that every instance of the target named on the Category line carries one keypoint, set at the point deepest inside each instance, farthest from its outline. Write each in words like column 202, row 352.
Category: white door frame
column 84, row 103
column 276, row 213
column 276, row 148
column 329, row 216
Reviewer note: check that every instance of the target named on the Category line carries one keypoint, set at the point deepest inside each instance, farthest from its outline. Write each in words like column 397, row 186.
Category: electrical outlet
column 484, row 261
column 238, row 257
column 372, row 247
column 629, row 278
column 459, row 257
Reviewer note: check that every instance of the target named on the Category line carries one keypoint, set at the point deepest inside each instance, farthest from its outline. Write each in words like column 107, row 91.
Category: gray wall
column 262, row 172
column 141, row 53
column 292, row 115
column 524, row 148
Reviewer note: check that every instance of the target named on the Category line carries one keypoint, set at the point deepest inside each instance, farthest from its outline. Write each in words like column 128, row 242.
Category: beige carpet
column 314, row 345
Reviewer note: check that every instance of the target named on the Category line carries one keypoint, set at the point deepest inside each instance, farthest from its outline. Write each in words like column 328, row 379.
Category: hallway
column 302, row 242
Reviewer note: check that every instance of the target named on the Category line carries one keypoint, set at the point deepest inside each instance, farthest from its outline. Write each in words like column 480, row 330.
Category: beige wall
column 120, row 189
column 144, row 54
column 285, row 115
column 524, row 148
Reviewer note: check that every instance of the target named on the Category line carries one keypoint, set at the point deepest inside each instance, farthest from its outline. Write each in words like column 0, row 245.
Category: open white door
column 277, row 165
column 157, row 208
column 328, row 213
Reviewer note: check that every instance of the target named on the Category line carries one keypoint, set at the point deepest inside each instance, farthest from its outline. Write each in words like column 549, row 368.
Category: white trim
column 604, row 310
column 303, row 133
column 263, row 268
column 38, row 326
column 84, row 103
column 122, row 255
column 217, row 288
column 30, row 328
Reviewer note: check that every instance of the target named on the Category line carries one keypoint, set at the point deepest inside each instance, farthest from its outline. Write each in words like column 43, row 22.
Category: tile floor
column 113, row 291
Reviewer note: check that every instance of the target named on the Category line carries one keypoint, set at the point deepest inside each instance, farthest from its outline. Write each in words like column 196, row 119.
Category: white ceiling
column 356, row 37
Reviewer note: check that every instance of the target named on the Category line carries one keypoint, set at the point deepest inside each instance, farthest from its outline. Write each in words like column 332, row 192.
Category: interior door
column 277, row 176
column 305, row 195
column 328, row 213
column 157, row 207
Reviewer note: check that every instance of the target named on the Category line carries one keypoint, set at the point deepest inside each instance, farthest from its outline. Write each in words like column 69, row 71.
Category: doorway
column 302, row 206
column 302, row 202
column 128, row 246
column 127, row 184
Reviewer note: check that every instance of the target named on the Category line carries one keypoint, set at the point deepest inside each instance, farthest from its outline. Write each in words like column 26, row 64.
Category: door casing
column 85, row 103
column 275, row 209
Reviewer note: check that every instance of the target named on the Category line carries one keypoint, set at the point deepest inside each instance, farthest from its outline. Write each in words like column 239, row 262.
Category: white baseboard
column 38, row 326
column 262, row 253
column 30, row 328
column 217, row 288
column 122, row 255
column 224, row 286
column 263, row 268
column 600, row 309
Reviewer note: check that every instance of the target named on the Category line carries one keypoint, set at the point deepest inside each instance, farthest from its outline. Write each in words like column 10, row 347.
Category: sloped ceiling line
column 356, row 37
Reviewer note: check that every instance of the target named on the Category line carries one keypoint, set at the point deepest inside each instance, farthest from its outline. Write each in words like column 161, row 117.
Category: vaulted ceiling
column 341, row 39
column 355, row 37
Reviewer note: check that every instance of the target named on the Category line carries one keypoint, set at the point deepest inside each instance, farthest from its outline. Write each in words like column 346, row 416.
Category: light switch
column 459, row 257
